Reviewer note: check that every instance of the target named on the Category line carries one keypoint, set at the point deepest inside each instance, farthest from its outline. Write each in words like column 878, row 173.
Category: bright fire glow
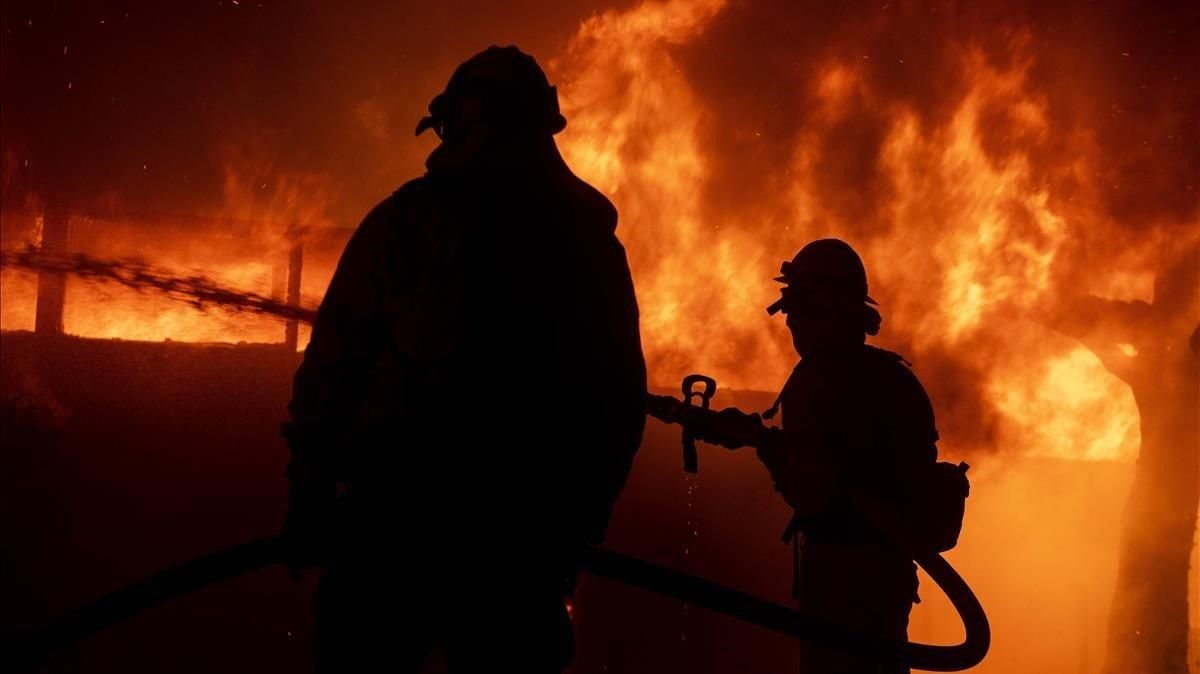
column 963, row 257
column 963, row 260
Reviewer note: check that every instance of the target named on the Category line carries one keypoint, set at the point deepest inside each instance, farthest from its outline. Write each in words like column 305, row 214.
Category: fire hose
column 265, row 552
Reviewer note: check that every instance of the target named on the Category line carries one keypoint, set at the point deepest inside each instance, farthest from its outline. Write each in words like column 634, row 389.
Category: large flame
column 969, row 248
column 963, row 256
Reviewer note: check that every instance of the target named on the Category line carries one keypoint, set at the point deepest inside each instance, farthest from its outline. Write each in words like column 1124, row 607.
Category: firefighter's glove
column 730, row 428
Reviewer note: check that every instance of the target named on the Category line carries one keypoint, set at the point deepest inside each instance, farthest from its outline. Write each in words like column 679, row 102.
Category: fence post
column 295, row 265
column 52, row 286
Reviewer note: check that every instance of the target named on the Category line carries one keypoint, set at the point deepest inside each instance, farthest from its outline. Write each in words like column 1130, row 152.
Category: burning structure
column 1020, row 178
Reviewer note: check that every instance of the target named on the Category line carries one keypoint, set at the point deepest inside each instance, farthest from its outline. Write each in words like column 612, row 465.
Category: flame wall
column 982, row 157
column 953, row 146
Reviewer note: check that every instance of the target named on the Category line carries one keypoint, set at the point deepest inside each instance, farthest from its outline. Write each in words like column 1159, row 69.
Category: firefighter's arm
column 330, row 384
column 593, row 340
column 613, row 368
column 803, row 473
column 730, row 428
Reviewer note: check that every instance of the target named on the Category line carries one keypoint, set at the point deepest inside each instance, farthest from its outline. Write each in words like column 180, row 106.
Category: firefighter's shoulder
column 412, row 198
column 886, row 362
column 593, row 205
column 897, row 383
column 412, row 202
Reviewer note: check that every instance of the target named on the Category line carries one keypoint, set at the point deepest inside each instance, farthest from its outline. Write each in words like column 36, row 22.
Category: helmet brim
column 867, row 298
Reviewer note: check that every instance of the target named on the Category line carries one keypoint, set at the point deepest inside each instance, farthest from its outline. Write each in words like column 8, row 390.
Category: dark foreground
column 121, row 458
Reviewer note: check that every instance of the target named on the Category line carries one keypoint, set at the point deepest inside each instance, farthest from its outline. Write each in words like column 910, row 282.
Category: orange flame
column 966, row 253
column 963, row 257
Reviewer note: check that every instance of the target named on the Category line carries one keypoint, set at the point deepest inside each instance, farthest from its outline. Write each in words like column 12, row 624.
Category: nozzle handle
column 691, row 458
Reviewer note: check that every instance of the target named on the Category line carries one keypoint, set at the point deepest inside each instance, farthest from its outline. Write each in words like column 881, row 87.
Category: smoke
column 120, row 106
column 1112, row 75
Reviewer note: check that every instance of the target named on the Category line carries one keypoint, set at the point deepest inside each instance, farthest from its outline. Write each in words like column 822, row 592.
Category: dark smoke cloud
column 139, row 106
column 1124, row 72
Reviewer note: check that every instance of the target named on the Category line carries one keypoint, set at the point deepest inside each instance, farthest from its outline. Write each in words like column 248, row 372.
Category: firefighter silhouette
column 855, row 417
column 470, row 403
column 852, row 413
